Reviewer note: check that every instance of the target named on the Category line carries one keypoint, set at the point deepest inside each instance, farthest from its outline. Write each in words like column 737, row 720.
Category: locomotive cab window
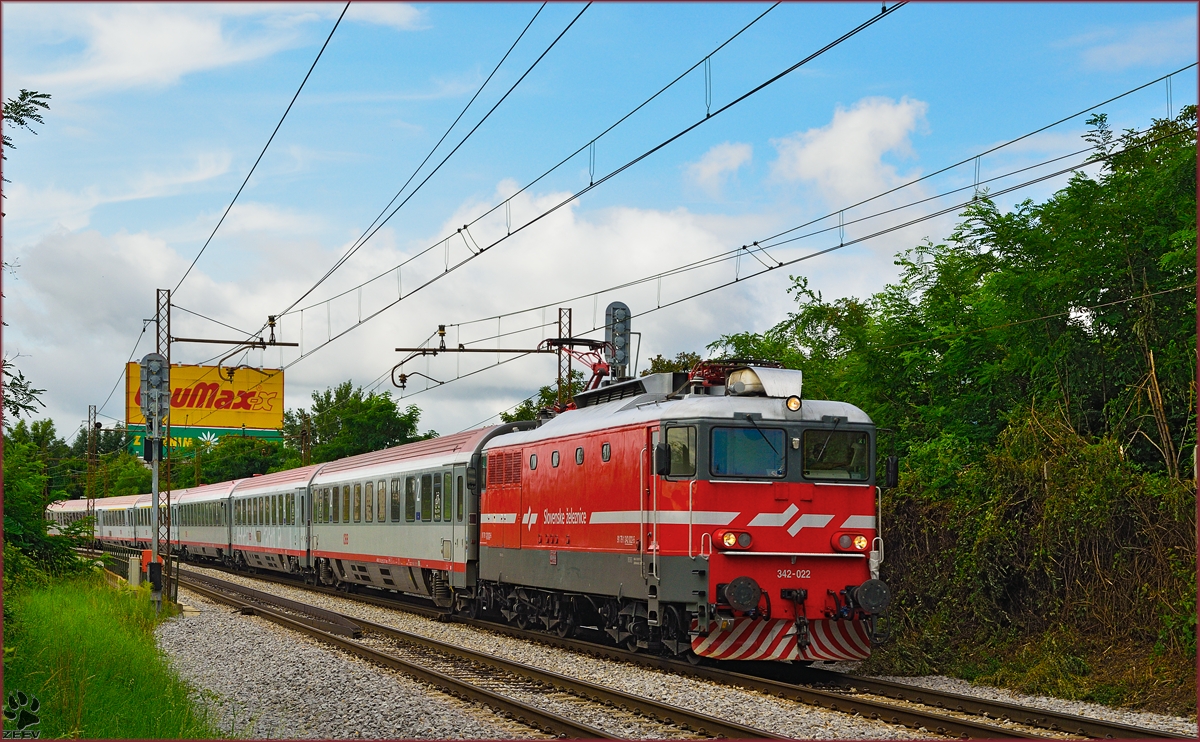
column 836, row 454
column 752, row 452
column 682, row 442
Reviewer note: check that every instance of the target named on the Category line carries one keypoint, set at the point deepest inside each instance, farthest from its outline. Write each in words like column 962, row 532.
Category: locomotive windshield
column 748, row 452
column 836, row 454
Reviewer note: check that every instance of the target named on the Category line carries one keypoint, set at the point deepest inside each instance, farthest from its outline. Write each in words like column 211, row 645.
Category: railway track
column 895, row 702
column 501, row 684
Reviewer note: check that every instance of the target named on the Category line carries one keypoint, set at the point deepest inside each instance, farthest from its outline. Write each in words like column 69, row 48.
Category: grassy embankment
column 87, row 652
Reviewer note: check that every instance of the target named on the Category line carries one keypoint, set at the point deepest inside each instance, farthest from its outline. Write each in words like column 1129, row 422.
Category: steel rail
column 522, row 712
column 787, row 688
column 685, row 718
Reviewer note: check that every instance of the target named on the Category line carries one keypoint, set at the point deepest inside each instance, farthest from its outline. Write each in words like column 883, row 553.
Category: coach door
column 304, row 513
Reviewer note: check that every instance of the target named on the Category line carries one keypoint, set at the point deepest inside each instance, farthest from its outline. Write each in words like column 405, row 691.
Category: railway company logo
column 20, row 715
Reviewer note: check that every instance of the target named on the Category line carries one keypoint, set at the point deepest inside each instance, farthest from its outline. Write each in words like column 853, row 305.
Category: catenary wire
column 1033, row 181
column 451, row 268
column 210, row 319
column 368, row 231
column 122, row 374
column 813, row 221
column 561, row 162
column 372, row 230
column 264, row 150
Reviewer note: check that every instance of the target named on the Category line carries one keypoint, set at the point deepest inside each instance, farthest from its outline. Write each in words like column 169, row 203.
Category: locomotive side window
column 579, row 456
column 345, row 503
column 447, row 496
column 410, row 499
column 748, row 452
column 426, row 510
column 460, row 498
column 357, row 502
column 554, row 459
column 605, row 452
column 836, row 454
column 369, row 502
column 532, row 461
column 682, row 442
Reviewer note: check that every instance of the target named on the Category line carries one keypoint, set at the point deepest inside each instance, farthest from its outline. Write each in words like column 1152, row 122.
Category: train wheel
column 565, row 619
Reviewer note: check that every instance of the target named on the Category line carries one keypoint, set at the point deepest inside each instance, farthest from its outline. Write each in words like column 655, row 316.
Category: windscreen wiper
column 764, row 435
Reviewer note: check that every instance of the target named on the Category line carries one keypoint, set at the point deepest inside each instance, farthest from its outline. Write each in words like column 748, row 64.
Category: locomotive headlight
column 860, row 542
column 730, row 539
column 793, row 403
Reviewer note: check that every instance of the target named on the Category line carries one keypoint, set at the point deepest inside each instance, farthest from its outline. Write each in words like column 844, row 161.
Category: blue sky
column 159, row 111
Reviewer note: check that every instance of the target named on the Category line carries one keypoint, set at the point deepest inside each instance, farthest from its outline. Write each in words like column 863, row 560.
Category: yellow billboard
column 200, row 396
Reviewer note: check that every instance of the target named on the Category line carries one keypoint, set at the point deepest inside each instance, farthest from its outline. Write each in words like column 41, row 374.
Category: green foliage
column 683, row 361
column 1038, row 368
column 20, row 397
column 25, row 500
column 345, row 421
column 545, row 399
column 237, row 457
column 87, row 652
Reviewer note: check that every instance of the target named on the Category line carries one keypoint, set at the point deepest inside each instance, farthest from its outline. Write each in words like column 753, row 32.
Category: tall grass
column 87, row 652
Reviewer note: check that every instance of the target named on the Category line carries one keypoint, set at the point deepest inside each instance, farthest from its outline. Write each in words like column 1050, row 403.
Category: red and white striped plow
column 755, row 639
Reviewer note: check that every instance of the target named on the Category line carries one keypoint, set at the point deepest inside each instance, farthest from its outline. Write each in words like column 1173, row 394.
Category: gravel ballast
column 263, row 681
column 785, row 718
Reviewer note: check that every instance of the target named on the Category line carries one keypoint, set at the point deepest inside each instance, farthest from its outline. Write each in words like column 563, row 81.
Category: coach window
column 437, row 497
column 426, row 512
column 335, row 512
column 460, row 498
column 554, row 459
column 370, row 502
column 579, row 456
column 605, row 452
column 381, row 494
column 836, row 454
column 345, row 503
column 410, row 499
column 447, row 496
column 291, row 509
column 275, row 509
column 396, row 500
column 357, row 502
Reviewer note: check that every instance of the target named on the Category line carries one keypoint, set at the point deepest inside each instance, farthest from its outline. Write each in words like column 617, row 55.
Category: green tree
column 20, row 396
column 683, row 361
column 237, row 457
column 345, row 421
column 1038, row 368
column 545, row 399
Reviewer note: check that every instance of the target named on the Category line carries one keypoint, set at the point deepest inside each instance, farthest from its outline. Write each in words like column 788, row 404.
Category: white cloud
column 1147, row 44
column 722, row 160
column 28, row 209
column 400, row 16
column 145, row 45
column 845, row 159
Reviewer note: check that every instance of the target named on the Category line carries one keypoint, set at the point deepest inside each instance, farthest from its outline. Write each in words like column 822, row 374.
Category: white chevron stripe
column 775, row 519
column 860, row 521
column 809, row 520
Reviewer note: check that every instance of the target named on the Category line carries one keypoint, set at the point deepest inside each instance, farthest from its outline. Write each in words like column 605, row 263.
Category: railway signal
column 156, row 405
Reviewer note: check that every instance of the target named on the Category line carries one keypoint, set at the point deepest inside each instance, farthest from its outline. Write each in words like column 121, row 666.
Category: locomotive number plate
column 801, row 574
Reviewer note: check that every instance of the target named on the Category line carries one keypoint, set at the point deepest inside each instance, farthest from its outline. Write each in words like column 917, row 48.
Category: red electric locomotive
column 711, row 514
